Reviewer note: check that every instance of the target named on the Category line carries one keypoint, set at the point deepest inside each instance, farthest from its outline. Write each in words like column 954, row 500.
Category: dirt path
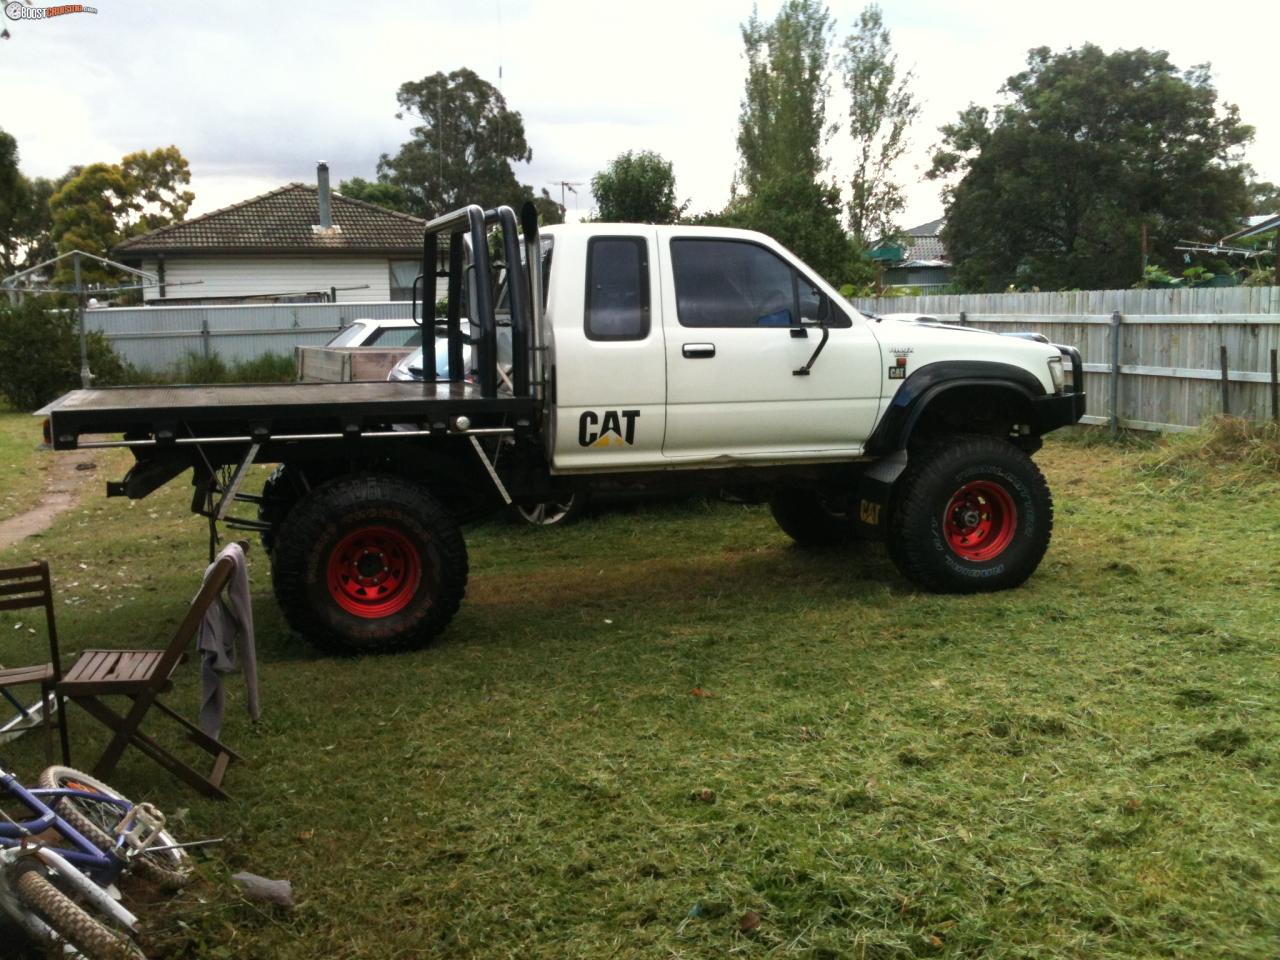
column 64, row 483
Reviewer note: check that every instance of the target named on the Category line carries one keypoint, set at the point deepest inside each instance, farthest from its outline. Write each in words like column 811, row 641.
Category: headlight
column 1055, row 373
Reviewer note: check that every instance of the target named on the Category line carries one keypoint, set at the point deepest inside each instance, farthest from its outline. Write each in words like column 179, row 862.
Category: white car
column 378, row 333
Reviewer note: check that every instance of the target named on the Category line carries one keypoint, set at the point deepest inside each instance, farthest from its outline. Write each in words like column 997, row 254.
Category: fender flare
column 933, row 380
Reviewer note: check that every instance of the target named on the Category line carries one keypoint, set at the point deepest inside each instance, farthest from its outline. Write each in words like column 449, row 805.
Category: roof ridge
column 374, row 206
column 205, row 216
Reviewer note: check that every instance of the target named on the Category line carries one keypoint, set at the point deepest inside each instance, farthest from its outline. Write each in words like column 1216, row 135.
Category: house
column 299, row 243
column 918, row 260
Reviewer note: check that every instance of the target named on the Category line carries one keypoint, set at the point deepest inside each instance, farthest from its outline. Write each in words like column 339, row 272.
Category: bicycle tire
column 72, row 923
column 167, row 869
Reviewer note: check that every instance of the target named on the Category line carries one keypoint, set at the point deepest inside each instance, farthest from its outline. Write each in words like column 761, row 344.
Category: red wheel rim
column 374, row 572
column 980, row 521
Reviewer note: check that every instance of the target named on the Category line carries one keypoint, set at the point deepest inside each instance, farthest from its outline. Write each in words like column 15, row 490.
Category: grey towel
column 226, row 645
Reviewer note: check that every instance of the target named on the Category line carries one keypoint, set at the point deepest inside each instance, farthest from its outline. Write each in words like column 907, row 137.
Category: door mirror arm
column 826, row 335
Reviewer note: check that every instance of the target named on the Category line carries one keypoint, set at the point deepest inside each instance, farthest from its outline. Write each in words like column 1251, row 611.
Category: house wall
column 263, row 275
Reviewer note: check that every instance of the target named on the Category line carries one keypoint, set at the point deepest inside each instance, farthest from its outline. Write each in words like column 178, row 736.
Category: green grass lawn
column 649, row 731
column 22, row 473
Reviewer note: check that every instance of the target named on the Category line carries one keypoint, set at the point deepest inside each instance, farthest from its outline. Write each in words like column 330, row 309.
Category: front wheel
column 369, row 564
column 96, row 809
column 972, row 513
column 84, row 927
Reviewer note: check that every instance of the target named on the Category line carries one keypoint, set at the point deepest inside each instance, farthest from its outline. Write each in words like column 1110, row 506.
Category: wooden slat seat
column 14, row 676
column 20, row 588
column 112, row 671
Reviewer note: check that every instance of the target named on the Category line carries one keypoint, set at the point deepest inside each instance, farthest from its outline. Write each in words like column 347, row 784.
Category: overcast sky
column 254, row 93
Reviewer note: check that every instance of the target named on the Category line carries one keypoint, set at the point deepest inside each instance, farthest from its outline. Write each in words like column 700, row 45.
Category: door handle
column 698, row 351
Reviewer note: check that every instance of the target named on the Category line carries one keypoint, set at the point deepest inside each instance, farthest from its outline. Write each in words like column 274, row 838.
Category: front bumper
column 1060, row 410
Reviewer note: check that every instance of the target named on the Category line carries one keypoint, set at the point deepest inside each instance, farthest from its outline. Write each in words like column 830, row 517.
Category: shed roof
column 284, row 221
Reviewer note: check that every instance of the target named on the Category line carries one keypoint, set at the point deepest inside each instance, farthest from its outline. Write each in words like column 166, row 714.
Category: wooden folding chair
column 29, row 586
column 142, row 675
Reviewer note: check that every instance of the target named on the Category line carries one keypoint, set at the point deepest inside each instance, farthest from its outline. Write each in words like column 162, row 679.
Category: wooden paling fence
column 1153, row 359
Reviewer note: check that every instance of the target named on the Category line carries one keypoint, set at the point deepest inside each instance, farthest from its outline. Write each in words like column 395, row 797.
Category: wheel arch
column 976, row 392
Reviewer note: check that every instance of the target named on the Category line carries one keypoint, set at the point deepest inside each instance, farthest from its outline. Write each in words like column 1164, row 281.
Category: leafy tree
column 24, row 213
column 881, row 111
column 462, row 147
column 1264, row 199
column 104, row 203
column 1057, row 182
column 382, row 193
column 637, row 188
column 781, row 131
column 782, row 126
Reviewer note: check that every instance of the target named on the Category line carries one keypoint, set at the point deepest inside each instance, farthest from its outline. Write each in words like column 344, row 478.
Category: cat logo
column 612, row 433
column 869, row 513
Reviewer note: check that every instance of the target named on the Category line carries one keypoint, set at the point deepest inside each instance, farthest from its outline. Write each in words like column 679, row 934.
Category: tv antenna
column 569, row 185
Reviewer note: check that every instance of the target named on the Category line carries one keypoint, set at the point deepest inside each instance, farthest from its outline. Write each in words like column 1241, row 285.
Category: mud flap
column 873, row 496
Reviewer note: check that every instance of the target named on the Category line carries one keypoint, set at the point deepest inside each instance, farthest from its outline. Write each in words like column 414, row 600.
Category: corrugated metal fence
column 1158, row 355
column 160, row 338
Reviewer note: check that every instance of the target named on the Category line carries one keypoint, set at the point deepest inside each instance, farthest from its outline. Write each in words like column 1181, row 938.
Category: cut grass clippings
column 666, row 732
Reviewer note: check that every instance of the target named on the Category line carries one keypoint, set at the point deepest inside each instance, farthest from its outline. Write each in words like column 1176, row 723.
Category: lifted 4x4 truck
column 639, row 356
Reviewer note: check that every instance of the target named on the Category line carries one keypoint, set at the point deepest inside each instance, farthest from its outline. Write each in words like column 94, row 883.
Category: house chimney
column 322, row 195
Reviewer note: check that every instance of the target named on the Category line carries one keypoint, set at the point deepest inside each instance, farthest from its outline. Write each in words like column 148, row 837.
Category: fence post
column 1116, row 321
column 1275, row 388
column 205, row 336
column 1226, row 402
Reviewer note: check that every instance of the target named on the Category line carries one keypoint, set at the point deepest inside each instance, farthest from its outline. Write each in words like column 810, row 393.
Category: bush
column 197, row 368
column 40, row 353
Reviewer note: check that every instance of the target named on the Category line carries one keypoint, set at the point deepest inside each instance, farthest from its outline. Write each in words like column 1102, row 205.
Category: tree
column 101, row 204
column 381, row 193
column 781, row 131
column 462, row 148
column 24, row 213
column 1264, row 199
column 1057, row 183
column 782, row 125
column 637, row 188
column 881, row 111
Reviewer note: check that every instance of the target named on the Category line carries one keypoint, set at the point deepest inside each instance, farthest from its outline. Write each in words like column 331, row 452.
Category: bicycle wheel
column 96, row 820
column 95, row 937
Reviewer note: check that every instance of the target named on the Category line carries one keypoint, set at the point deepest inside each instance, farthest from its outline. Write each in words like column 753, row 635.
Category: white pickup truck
column 639, row 355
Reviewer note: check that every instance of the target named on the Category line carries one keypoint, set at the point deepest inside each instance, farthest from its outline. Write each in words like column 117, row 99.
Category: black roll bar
column 472, row 222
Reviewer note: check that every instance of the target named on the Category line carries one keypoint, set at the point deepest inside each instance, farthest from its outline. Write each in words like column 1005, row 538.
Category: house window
column 403, row 273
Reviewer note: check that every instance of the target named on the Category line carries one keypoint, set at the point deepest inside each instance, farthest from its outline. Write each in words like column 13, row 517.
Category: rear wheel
column 369, row 564
column 96, row 821
column 85, row 927
column 972, row 513
column 810, row 519
column 558, row 512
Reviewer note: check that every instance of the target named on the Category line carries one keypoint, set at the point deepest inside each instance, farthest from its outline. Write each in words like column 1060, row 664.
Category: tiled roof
column 925, row 242
column 930, row 229
column 282, row 221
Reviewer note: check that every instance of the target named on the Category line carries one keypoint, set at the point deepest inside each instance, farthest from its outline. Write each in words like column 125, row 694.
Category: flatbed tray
column 276, row 407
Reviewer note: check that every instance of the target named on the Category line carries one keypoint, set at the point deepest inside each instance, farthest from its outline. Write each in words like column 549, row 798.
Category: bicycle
column 59, row 866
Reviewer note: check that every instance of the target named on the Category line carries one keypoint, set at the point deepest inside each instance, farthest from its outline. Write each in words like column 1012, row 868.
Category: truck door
column 607, row 341
column 731, row 312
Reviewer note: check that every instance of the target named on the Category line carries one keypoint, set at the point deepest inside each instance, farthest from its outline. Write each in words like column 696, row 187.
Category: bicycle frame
column 79, row 852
